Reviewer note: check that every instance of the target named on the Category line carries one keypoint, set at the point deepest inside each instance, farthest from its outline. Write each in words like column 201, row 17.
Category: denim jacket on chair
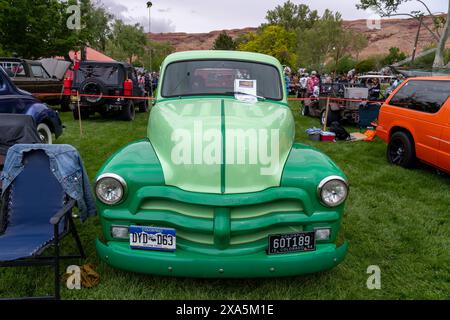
column 66, row 165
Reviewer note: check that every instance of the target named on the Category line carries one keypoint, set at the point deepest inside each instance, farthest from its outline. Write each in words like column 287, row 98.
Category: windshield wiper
column 246, row 94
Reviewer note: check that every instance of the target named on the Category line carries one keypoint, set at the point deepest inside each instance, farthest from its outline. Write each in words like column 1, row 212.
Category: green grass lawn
column 395, row 218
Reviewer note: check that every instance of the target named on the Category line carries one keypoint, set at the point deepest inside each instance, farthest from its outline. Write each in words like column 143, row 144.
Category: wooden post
column 327, row 110
column 79, row 114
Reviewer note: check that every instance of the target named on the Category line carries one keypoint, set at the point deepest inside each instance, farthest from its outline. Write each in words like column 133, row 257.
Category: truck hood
column 214, row 145
column 56, row 68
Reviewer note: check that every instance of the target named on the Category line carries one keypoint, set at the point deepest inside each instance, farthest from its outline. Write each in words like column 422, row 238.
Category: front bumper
column 383, row 134
column 187, row 264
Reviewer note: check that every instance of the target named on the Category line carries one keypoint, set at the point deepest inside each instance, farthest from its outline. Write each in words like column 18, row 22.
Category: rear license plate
column 152, row 238
column 294, row 242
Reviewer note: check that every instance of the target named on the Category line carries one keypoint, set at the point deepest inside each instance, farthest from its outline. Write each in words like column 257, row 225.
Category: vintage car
column 340, row 110
column 32, row 76
column 103, row 87
column 415, row 122
column 219, row 188
column 16, row 101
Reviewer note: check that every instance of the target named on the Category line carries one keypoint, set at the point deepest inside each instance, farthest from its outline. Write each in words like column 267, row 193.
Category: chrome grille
column 238, row 214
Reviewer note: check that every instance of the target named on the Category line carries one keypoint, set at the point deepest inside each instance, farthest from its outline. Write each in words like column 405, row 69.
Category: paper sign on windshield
column 246, row 90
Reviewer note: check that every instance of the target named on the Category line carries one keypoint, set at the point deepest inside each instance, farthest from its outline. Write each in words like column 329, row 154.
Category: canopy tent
column 92, row 55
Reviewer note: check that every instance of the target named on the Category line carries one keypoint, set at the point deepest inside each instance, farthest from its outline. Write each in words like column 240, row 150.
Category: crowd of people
column 149, row 81
column 307, row 85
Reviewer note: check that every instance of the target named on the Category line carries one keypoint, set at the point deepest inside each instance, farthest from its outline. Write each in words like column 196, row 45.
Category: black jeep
column 102, row 87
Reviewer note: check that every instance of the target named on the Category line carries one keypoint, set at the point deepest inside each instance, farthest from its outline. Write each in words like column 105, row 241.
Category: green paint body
column 223, row 212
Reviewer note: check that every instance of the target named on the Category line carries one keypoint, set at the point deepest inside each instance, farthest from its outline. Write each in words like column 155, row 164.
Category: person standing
column 155, row 80
column 148, row 83
column 303, row 83
column 287, row 78
column 313, row 82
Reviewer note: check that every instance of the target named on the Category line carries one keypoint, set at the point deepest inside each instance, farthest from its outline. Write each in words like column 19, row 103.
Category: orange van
column 415, row 123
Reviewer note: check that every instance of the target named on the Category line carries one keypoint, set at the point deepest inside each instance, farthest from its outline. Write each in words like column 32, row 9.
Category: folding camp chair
column 38, row 214
column 368, row 112
column 15, row 129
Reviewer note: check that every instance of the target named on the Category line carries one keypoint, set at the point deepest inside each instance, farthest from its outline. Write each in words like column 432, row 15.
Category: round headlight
column 110, row 189
column 333, row 191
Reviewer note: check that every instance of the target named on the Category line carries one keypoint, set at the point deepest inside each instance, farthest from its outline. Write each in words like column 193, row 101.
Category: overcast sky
column 209, row 15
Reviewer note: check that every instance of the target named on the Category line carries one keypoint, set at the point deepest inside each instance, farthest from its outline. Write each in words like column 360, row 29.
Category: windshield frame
column 163, row 76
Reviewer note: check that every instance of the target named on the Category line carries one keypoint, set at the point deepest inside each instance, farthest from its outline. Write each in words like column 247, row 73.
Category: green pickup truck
column 218, row 188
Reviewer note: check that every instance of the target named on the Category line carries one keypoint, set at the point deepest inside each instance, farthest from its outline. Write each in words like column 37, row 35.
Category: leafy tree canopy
column 395, row 55
column 292, row 16
column 224, row 42
column 275, row 41
column 159, row 51
column 322, row 41
column 126, row 41
column 40, row 29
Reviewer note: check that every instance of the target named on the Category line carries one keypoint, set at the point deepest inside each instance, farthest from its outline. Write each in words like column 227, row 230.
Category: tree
column 390, row 8
column 224, row 42
column 344, row 65
column 343, row 45
column 360, row 42
column 321, row 42
column 328, row 40
column 3, row 53
column 40, row 29
column 126, row 42
column 395, row 55
column 96, row 25
column 159, row 51
column 274, row 41
column 30, row 30
column 367, row 65
column 292, row 17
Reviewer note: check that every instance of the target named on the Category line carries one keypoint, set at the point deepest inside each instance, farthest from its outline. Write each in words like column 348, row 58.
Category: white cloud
column 158, row 24
column 132, row 13
column 207, row 15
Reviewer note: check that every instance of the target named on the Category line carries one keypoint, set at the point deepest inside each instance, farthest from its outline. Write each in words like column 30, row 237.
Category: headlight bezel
column 324, row 182
column 116, row 177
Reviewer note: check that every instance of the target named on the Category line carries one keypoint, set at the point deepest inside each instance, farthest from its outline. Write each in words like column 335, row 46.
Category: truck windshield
column 13, row 68
column 217, row 77
column 106, row 74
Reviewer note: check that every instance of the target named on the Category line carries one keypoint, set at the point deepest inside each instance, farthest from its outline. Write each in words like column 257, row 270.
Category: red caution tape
column 151, row 98
column 94, row 96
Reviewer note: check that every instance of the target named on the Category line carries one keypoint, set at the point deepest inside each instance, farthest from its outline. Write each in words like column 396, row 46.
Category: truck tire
column 128, row 112
column 96, row 87
column 45, row 133
column 401, row 150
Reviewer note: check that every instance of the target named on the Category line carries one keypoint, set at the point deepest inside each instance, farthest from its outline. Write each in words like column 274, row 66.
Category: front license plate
column 152, row 238
column 289, row 243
